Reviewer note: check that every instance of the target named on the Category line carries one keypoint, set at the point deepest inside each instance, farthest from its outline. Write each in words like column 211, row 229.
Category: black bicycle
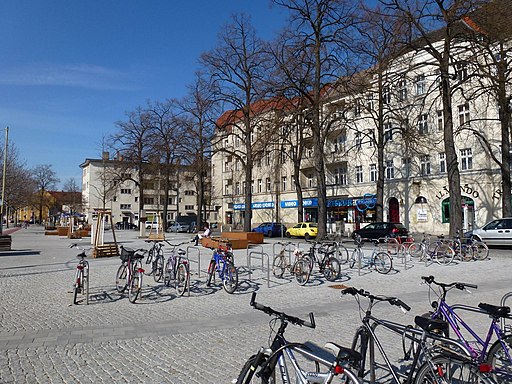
column 324, row 257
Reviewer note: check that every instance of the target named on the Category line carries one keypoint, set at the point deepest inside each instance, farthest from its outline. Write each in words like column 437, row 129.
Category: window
column 357, row 108
column 226, row 189
column 283, row 183
column 464, row 114
column 425, row 164
column 149, row 200
column 421, row 85
column 406, row 167
column 369, row 102
column 267, row 158
column 189, row 207
column 371, row 137
column 466, row 159
column 461, row 71
column 125, row 206
column 189, row 193
column 340, row 175
column 386, row 95
column 267, row 182
column 440, row 121
column 237, row 188
column 373, row 172
column 260, row 185
column 126, row 176
column 126, row 191
column 359, row 174
column 402, row 90
column 237, row 165
column 311, row 182
column 423, row 124
column 388, row 131
column 390, row 169
column 341, row 141
column 358, row 140
column 252, row 186
column 442, row 162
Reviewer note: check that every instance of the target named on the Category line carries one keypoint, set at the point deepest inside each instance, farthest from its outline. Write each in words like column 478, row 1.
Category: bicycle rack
column 286, row 246
column 503, row 303
column 261, row 255
column 195, row 251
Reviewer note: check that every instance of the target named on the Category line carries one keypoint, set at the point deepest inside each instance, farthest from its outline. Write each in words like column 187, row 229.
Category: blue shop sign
column 340, row 203
column 295, row 203
column 254, row 205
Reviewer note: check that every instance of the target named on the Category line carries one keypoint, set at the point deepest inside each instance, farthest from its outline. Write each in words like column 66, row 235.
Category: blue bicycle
column 222, row 263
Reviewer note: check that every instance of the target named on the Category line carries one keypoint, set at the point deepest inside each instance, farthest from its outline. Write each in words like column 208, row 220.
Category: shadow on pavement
column 21, row 252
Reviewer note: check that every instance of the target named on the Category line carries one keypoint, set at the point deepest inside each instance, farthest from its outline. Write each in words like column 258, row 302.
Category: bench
column 251, row 237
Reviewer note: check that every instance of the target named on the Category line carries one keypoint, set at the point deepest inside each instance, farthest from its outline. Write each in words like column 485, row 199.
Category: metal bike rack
column 259, row 255
column 195, row 251
column 504, row 299
column 286, row 247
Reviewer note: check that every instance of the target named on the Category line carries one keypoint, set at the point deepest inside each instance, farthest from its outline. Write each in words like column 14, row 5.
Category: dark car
column 374, row 231
column 271, row 229
column 125, row 225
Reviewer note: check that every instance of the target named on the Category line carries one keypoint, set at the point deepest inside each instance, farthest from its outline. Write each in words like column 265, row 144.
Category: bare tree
column 445, row 18
column 199, row 111
column 75, row 197
column 45, row 179
column 237, row 67
column 322, row 28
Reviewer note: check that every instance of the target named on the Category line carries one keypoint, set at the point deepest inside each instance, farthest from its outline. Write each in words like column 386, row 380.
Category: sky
column 69, row 69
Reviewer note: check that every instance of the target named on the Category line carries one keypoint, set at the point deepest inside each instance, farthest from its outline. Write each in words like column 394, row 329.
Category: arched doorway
column 394, row 210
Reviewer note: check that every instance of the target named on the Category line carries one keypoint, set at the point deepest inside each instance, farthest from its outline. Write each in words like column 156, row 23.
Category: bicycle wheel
column 301, row 271
column 498, row 360
column 182, row 277
column 446, row 369
column 360, row 344
column 158, row 270
column 135, row 287
column 332, row 269
column 343, row 255
column 383, row 262
column 466, row 252
column 230, row 277
column 211, row 272
column 443, row 254
column 77, row 285
column 251, row 366
column 121, row 278
column 415, row 250
column 85, row 284
column 356, row 254
column 279, row 265
column 480, row 250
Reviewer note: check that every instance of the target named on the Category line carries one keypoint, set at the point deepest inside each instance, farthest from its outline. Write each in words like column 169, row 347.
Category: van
column 151, row 224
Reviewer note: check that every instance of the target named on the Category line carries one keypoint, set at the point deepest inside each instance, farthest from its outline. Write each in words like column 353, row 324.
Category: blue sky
column 70, row 69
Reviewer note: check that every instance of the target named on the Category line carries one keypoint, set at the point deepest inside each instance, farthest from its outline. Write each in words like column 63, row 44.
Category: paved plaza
column 204, row 337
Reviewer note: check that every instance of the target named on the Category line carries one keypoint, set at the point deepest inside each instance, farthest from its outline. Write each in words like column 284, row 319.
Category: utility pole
column 3, row 182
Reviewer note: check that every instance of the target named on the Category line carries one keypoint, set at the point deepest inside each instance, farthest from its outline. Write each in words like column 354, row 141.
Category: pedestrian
column 207, row 232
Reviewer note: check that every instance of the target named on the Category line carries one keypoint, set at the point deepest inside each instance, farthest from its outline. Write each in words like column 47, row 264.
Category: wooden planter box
column 62, row 231
column 214, row 242
column 251, row 237
column 5, row 242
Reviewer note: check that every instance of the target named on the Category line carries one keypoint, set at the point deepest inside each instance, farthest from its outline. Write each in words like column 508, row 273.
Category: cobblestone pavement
column 202, row 338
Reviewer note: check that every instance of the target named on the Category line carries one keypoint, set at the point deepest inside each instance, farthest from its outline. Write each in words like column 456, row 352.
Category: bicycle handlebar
column 176, row 245
column 391, row 300
column 459, row 285
column 283, row 316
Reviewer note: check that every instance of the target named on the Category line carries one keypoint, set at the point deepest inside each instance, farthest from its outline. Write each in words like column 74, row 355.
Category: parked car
column 125, row 225
column 306, row 230
column 495, row 232
column 178, row 227
column 374, row 231
column 270, row 229
column 151, row 224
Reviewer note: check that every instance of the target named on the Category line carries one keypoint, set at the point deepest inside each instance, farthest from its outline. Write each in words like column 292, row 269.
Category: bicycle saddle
column 432, row 325
column 81, row 255
column 181, row 252
column 494, row 310
column 343, row 353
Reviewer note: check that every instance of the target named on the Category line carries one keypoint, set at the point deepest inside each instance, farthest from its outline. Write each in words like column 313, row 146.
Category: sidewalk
column 203, row 338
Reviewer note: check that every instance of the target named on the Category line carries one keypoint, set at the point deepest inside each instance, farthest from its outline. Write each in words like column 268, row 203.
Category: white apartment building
column 101, row 192
column 416, row 190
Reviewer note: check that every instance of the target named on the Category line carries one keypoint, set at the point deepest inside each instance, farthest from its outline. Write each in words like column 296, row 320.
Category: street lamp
column 3, row 182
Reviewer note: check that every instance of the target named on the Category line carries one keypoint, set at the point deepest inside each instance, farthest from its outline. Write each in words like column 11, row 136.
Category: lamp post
column 3, row 182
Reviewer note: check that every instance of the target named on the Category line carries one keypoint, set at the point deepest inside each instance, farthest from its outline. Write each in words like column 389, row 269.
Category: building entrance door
column 394, row 210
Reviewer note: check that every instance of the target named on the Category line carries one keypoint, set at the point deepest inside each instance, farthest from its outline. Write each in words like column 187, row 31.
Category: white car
column 495, row 232
column 151, row 224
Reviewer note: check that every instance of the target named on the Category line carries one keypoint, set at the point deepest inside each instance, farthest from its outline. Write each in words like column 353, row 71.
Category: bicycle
column 339, row 249
column 222, row 263
column 177, row 268
column 282, row 261
column 328, row 265
column 380, row 260
column 447, row 361
column 480, row 249
column 438, row 250
column 261, row 367
column 156, row 259
column 81, row 282
column 499, row 354
column 130, row 273
column 463, row 251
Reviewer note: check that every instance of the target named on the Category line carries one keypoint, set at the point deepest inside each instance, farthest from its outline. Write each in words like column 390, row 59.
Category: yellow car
column 306, row 230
